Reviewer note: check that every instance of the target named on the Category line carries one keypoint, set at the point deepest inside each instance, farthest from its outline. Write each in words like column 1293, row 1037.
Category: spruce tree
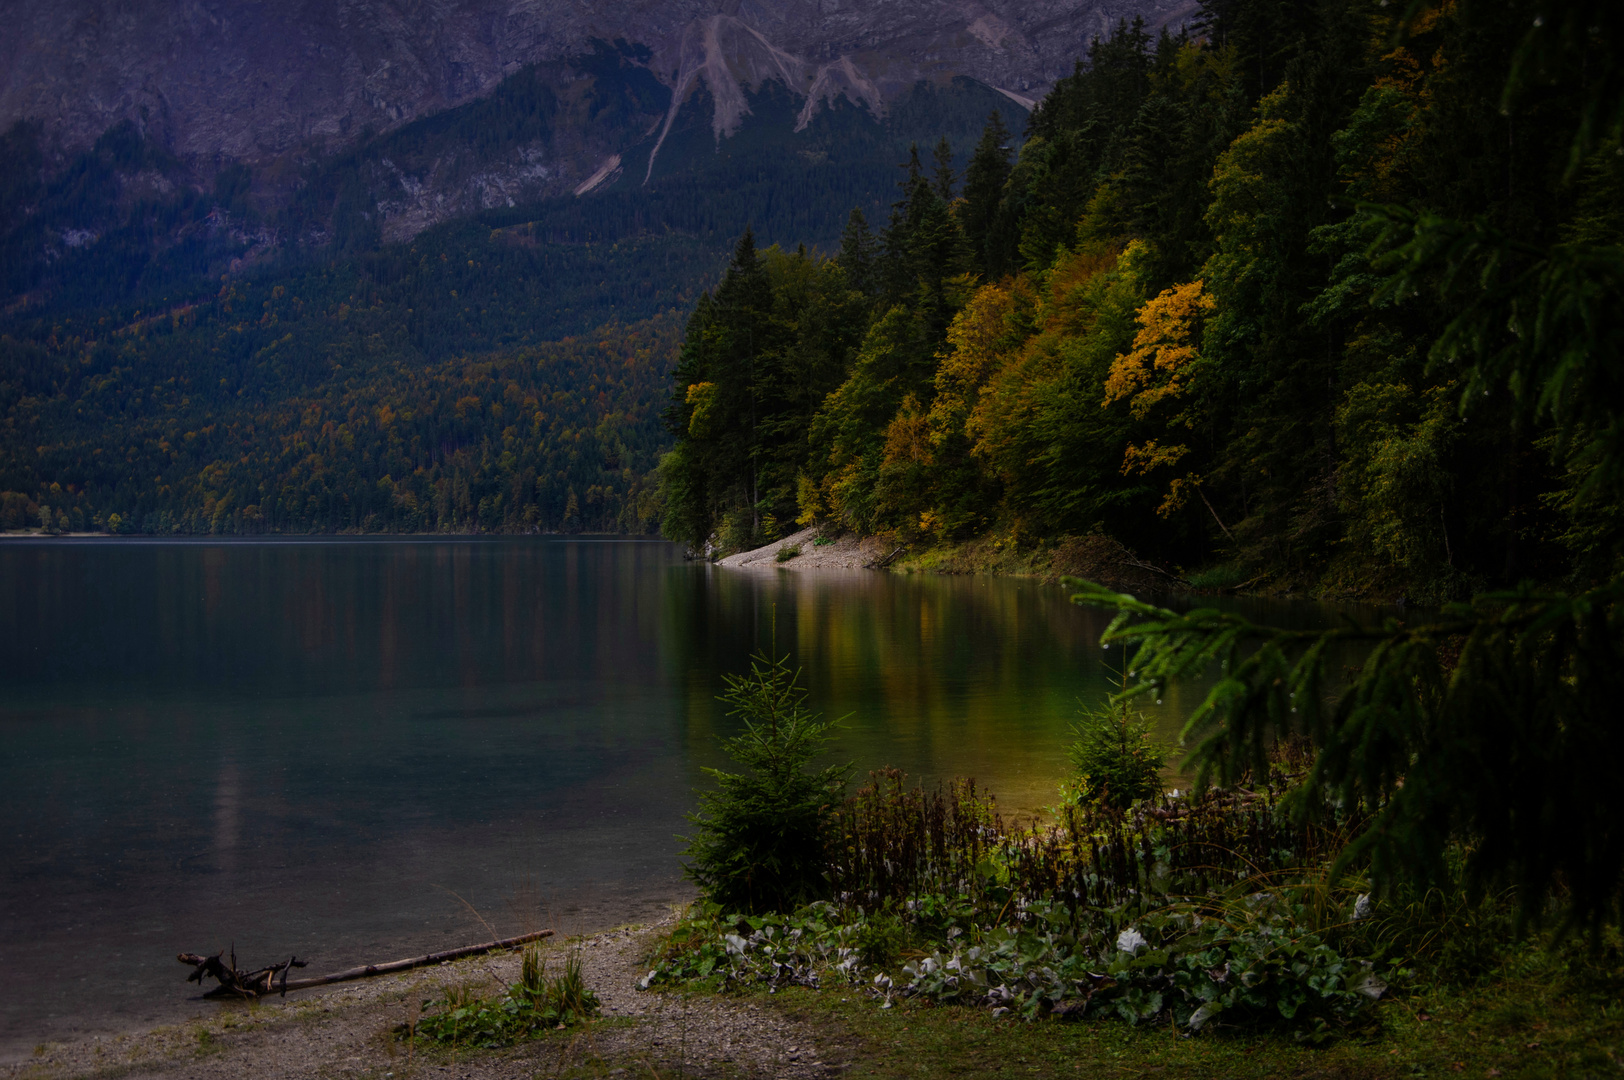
column 896, row 269
column 944, row 177
column 762, row 832
column 984, row 181
column 859, row 255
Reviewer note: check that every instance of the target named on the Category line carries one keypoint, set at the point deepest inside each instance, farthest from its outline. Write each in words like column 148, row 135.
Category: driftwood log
column 274, row 979
column 882, row 563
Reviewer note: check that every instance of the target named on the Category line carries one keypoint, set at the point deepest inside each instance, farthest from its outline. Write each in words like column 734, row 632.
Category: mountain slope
column 252, row 82
column 270, row 223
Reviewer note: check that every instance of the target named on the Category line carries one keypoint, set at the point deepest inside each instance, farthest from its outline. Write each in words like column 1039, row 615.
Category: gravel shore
column 847, row 552
column 350, row 1032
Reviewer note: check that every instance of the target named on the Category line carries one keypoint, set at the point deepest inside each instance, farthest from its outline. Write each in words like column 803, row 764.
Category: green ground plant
column 1217, row 578
column 1179, row 911
column 538, row 1002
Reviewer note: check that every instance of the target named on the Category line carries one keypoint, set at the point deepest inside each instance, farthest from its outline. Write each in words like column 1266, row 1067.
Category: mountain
column 309, row 125
column 216, row 217
column 255, row 81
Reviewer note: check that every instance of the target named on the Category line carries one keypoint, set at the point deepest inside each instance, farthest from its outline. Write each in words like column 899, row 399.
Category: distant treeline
column 1203, row 309
column 161, row 439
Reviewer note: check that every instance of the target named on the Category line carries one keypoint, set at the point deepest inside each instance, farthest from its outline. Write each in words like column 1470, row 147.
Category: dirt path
column 348, row 1033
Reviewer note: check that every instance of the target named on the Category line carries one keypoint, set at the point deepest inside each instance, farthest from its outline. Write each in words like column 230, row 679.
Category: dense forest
column 164, row 439
column 185, row 360
column 1251, row 297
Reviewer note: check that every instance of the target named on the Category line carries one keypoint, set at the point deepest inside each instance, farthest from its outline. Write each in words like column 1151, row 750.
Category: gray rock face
column 259, row 80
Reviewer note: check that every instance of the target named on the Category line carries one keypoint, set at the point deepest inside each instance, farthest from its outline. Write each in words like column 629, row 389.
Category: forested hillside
column 169, row 439
column 526, row 351
column 1247, row 299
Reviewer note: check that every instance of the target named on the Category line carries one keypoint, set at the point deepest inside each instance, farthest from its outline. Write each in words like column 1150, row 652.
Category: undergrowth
column 536, row 1003
column 1193, row 912
column 1181, row 911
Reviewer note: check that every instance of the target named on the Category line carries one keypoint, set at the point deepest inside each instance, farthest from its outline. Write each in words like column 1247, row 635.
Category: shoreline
column 198, row 1021
column 383, row 537
column 355, row 1031
column 813, row 551
column 154, row 994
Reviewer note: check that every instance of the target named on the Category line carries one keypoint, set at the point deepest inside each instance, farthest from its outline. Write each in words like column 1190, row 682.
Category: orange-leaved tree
column 1159, row 368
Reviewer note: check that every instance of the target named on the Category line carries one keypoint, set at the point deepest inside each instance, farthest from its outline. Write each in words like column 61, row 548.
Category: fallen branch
column 1214, row 513
column 274, row 979
column 881, row 564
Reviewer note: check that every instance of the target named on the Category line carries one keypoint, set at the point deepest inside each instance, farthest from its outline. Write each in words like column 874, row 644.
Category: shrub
column 788, row 552
column 761, row 833
column 1117, row 761
column 1216, row 578
column 1183, row 912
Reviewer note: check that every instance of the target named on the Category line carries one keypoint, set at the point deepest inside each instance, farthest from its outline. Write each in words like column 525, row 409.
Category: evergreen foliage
column 984, row 181
column 1115, row 761
column 1329, row 294
column 1493, row 722
column 761, row 835
column 759, row 357
column 1269, row 294
column 149, row 432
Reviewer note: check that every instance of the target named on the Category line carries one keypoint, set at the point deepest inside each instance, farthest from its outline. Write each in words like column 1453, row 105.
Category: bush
column 1117, row 761
column 760, row 842
column 1217, row 578
column 788, row 552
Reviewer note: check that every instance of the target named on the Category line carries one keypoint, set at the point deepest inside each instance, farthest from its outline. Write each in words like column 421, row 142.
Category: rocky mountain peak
column 218, row 79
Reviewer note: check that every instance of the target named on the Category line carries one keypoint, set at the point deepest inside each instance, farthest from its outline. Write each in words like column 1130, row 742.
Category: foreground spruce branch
column 1492, row 726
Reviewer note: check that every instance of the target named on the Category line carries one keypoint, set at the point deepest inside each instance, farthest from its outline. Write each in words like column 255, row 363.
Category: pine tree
column 944, row 178
column 761, row 833
column 859, row 255
column 984, row 181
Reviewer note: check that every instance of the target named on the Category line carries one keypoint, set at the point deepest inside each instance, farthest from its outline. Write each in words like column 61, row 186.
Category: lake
column 355, row 751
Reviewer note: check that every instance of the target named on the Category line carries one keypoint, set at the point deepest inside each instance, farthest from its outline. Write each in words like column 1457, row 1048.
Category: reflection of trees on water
column 336, row 616
column 942, row 676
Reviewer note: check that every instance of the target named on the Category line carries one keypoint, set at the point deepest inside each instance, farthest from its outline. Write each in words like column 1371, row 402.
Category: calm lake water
column 355, row 751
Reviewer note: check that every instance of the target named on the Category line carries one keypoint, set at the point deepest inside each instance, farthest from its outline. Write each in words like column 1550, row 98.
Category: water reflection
column 327, row 747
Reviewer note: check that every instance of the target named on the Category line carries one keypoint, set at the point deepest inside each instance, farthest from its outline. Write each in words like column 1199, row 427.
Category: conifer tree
column 859, row 255
column 896, row 244
column 944, row 178
column 760, row 843
column 984, row 181
column 1491, row 723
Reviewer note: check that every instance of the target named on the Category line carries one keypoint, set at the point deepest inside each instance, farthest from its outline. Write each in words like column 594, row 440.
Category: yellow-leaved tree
column 1157, row 370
